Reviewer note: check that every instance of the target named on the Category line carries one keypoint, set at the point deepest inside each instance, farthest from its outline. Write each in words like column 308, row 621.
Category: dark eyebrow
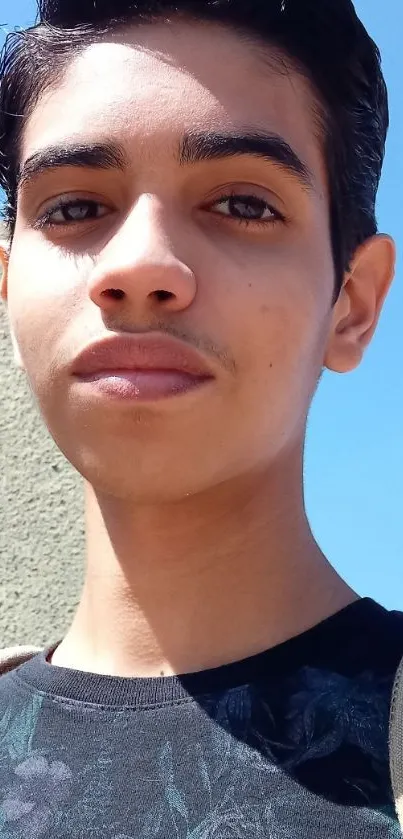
column 196, row 147
column 97, row 156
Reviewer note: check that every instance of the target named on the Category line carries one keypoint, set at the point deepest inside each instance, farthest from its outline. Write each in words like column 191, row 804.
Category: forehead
column 157, row 82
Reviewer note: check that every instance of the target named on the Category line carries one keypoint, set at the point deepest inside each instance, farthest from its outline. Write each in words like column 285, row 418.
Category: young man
column 191, row 191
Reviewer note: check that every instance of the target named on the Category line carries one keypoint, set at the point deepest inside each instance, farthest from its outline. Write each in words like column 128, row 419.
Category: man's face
column 254, row 296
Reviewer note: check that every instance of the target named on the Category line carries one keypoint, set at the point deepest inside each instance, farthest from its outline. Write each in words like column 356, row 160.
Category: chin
column 146, row 484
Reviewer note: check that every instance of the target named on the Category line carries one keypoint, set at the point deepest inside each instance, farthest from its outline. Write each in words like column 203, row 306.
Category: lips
column 147, row 366
column 140, row 352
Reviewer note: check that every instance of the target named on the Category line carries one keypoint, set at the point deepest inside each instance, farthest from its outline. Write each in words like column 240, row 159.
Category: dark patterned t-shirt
column 289, row 744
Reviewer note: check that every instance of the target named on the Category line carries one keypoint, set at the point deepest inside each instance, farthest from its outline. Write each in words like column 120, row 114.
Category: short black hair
column 323, row 39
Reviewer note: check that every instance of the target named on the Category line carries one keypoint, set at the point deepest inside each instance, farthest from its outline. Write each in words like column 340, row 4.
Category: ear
column 4, row 257
column 359, row 306
column 3, row 268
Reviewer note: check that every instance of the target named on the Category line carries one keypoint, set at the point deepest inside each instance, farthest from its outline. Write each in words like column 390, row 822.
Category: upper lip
column 146, row 351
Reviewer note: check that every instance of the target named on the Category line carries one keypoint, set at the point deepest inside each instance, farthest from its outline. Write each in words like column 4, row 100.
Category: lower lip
column 143, row 385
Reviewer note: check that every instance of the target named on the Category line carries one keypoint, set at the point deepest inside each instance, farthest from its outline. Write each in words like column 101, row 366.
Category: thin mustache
column 203, row 345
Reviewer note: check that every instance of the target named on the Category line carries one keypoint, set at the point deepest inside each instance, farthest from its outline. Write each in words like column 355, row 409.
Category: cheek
column 42, row 296
column 278, row 295
column 281, row 314
column 284, row 349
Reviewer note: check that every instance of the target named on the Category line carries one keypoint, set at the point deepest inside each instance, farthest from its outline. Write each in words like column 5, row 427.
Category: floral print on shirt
column 245, row 763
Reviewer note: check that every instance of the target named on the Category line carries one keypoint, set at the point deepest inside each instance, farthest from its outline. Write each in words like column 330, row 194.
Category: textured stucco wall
column 41, row 517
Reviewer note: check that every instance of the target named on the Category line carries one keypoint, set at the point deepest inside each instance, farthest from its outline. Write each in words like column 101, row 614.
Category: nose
column 138, row 267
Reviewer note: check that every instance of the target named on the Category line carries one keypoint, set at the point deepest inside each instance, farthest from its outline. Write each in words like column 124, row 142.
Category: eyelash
column 45, row 222
column 250, row 198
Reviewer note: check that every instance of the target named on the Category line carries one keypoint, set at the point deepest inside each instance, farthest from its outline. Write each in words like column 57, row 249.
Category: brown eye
column 245, row 207
column 73, row 212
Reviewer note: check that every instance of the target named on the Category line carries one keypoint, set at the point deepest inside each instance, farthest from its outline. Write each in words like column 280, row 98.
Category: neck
column 190, row 585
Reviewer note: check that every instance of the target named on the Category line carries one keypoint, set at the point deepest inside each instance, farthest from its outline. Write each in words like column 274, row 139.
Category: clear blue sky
column 354, row 467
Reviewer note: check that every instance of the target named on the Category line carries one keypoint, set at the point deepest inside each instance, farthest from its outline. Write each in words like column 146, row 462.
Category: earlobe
column 3, row 269
column 359, row 306
column 4, row 255
column 16, row 350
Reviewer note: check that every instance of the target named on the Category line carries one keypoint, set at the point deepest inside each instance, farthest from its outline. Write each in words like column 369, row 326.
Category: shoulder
column 362, row 640
column 382, row 637
column 12, row 657
column 376, row 653
column 387, row 627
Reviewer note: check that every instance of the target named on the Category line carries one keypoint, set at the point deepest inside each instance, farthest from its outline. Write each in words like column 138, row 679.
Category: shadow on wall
column 41, row 516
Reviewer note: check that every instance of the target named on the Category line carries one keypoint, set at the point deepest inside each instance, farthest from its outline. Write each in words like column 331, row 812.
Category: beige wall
column 41, row 522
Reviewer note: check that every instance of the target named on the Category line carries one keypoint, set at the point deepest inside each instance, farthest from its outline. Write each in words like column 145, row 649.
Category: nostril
column 115, row 293
column 162, row 295
column 118, row 294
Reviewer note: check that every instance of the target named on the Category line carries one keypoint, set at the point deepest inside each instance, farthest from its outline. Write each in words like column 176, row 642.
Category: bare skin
column 199, row 551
